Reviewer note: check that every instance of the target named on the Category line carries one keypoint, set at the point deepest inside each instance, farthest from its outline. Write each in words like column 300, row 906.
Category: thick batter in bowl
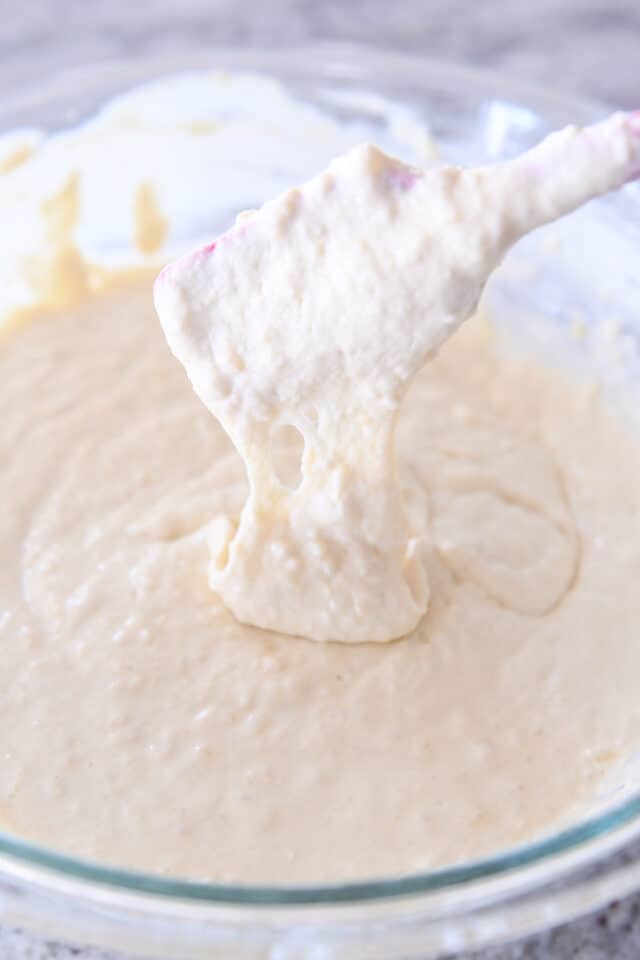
column 175, row 739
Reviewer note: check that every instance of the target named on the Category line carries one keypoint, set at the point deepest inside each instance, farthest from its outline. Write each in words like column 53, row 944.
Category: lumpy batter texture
column 141, row 724
column 317, row 311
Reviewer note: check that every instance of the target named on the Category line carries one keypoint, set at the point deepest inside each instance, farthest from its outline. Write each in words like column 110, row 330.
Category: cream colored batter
column 142, row 725
column 316, row 312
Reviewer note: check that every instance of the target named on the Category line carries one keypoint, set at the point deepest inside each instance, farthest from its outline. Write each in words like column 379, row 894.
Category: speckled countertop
column 590, row 47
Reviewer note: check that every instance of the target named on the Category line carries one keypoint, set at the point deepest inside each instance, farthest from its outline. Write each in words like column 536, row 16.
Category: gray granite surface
column 585, row 46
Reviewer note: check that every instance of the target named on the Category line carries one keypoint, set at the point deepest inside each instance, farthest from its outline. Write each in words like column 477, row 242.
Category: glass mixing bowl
column 473, row 116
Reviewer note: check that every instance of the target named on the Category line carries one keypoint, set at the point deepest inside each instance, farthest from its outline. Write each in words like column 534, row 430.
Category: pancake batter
column 141, row 724
column 316, row 312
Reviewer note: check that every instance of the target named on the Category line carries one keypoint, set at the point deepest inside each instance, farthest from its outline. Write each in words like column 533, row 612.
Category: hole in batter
column 287, row 450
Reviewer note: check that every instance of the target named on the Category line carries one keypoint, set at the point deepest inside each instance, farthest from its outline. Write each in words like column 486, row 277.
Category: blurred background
column 591, row 47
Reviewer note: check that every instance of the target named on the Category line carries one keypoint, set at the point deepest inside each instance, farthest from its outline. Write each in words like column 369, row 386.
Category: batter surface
column 141, row 724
